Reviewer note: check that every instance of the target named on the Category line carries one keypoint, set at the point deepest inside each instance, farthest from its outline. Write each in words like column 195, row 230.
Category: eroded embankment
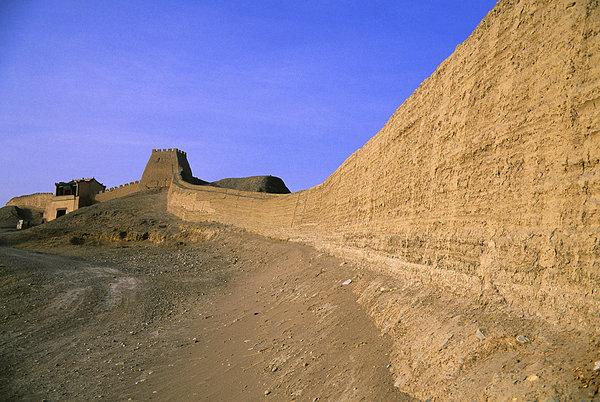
column 485, row 183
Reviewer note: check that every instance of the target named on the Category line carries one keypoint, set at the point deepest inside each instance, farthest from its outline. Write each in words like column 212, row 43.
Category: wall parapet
column 132, row 183
column 118, row 191
column 176, row 150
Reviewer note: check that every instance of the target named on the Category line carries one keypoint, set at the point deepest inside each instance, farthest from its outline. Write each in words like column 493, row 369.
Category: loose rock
column 522, row 339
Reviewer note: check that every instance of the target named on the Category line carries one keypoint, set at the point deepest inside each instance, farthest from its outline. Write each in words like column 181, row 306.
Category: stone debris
column 347, row 282
column 522, row 339
column 480, row 335
column 597, row 366
column 446, row 340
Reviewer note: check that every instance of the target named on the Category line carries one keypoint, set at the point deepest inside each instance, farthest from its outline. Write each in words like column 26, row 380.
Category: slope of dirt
column 205, row 312
column 259, row 184
column 121, row 300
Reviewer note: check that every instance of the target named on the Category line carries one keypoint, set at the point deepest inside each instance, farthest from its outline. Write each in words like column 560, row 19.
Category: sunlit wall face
column 246, row 88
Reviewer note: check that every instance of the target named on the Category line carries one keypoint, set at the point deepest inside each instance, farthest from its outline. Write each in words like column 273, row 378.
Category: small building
column 72, row 195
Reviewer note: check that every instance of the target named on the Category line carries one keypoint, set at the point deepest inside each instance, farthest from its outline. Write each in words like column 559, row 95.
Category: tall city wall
column 485, row 182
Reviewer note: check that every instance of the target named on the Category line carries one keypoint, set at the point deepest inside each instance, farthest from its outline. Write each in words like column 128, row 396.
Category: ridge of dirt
column 11, row 214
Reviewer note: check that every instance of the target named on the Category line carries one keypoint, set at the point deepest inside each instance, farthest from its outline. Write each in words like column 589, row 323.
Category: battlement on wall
column 118, row 191
column 176, row 150
column 120, row 186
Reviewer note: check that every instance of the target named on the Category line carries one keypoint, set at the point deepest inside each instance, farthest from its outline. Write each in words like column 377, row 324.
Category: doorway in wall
column 60, row 212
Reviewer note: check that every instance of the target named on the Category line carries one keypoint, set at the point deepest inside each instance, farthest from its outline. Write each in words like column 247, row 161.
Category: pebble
column 479, row 335
column 597, row 366
column 195, row 340
column 347, row 282
column 446, row 340
column 532, row 378
column 522, row 339
column 267, row 392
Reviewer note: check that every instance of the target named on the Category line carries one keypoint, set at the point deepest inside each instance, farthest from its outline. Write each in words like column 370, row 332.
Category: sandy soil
column 231, row 317
column 122, row 300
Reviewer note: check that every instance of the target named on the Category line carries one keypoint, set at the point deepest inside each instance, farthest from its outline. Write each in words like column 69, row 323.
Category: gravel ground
column 93, row 308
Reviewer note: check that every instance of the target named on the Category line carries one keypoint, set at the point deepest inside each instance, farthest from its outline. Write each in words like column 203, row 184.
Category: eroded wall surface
column 35, row 201
column 485, row 182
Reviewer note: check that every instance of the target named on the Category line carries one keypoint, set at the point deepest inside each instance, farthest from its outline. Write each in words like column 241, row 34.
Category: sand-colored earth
column 122, row 300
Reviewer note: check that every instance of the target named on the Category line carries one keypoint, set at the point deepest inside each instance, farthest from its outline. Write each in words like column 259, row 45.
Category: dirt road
column 234, row 320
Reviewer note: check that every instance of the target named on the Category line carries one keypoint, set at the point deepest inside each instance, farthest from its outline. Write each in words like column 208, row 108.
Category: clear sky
column 288, row 88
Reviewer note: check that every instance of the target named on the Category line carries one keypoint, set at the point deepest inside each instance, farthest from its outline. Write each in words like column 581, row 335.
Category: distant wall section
column 36, row 201
column 119, row 191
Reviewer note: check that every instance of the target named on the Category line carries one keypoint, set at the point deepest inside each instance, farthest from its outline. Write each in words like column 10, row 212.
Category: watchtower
column 162, row 165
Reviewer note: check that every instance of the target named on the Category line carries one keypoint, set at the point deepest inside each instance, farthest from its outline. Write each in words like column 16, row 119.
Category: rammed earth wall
column 485, row 182
column 35, row 201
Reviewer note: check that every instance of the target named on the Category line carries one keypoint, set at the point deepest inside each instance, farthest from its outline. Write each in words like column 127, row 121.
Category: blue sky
column 288, row 88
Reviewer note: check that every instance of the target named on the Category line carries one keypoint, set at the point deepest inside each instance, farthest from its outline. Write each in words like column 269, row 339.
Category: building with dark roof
column 72, row 195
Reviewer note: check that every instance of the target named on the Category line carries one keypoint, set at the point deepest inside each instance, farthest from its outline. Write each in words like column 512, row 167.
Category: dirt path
column 289, row 331
column 244, row 318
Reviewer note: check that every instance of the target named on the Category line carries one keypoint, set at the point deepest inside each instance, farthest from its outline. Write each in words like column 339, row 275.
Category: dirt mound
column 259, row 184
column 139, row 216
